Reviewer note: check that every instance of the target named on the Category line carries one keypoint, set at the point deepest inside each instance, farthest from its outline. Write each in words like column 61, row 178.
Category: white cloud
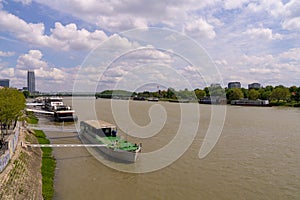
column 291, row 23
column 288, row 13
column 291, row 54
column 7, row 72
column 142, row 64
column 191, row 69
column 267, row 69
column 24, row 2
column 222, row 62
column 261, row 61
column 143, row 58
column 67, row 37
column 292, row 8
column 263, row 70
column 27, row 32
column 273, row 7
column 72, row 38
column 109, row 15
column 126, row 14
column 149, row 55
column 32, row 60
column 51, row 73
column 291, row 15
column 233, row 4
column 262, row 34
column 199, row 28
column 6, row 54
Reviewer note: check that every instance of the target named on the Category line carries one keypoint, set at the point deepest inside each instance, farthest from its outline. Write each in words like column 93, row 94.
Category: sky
column 68, row 43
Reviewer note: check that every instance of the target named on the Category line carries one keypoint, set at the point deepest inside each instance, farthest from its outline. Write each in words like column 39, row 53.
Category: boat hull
column 65, row 119
column 253, row 105
column 115, row 154
column 246, row 102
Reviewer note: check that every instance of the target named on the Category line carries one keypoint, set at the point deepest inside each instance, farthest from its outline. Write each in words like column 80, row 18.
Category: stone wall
column 12, row 144
column 21, row 178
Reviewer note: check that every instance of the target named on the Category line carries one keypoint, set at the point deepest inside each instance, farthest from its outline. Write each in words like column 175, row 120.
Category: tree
column 280, row 93
column 245, row 92
column 269, row 88
column 146, row 94
column 234, row 94
column 206, row 89
column 297, row 96
column 293, row 89
column 265, row 95
column 295, row 93
column 216, row 91
column 253, row 94
column 26, row 94
column 200, row 93
column 185, row 94
column 163, row 93
column 171, row 93
column 12, row 103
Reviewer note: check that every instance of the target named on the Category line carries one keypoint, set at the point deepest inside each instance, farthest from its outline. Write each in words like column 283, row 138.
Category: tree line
column 12, row 104
column 278, row 95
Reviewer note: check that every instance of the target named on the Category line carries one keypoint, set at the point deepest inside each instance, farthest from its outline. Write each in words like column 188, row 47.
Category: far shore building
column 215, row 85
column 234, row 85
column 31, row 81
column 254, row 86
column 4, row 82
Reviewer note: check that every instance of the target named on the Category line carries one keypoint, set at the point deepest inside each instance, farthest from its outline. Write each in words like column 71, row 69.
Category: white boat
column 248, row 102
column 61, row 112
column 101, row 132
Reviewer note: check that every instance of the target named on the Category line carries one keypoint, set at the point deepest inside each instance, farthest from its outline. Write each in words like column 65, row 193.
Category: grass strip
column 48, row 166
column 31, row 118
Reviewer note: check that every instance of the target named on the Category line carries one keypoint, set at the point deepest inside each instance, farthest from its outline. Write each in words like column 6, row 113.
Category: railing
column 9, row 147
column 66, row 145
column 3, row 147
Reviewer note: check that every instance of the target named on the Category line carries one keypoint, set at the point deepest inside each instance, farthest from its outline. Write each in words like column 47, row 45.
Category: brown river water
column 256, row 157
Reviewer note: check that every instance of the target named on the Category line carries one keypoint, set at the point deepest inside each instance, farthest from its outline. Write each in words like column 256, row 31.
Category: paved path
column 52, row 128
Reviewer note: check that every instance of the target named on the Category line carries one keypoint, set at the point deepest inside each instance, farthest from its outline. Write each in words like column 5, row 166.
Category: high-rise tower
column 4, row 82
column 31, row 81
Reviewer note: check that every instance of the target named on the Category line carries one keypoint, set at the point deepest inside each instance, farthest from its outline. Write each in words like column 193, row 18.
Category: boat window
column 107, row 131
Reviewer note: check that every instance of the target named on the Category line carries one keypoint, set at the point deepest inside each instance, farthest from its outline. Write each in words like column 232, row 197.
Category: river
column 256, row 157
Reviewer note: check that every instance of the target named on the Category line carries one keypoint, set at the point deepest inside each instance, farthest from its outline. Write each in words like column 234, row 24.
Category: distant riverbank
column 288, row 104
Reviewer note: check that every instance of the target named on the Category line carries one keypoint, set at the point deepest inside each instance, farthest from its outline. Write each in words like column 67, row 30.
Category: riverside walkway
column 52, row 128
column 39, row 111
